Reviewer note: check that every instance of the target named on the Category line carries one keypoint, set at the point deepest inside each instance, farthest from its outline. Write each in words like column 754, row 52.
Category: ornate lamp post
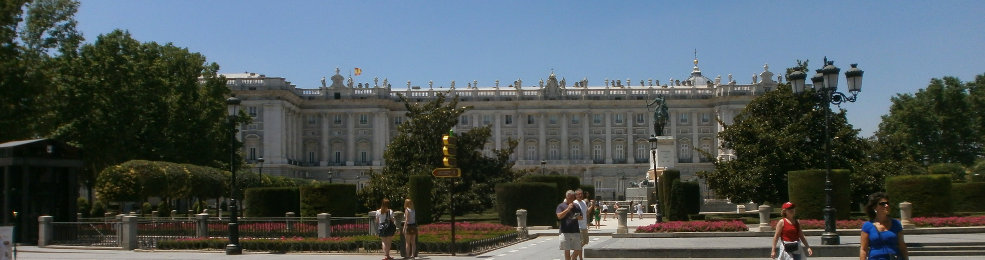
column 825, row 87
column 653, row 151
column 260, row 160
column 233, row 247
column 543, row 167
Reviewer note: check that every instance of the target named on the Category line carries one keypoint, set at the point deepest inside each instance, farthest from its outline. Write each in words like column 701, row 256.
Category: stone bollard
column 521, row 223
column 740, row 208
column 174, row 213
column 906, row 212
column 324, row 225
column 202, row 225
column 46, row 230
column 289, row 216
column 621, row 214
column 398, row 219
column 132, row 213
column 129, row 239
column 373, row 224
column 119, row 228
column 764, row 218
column 154, row 214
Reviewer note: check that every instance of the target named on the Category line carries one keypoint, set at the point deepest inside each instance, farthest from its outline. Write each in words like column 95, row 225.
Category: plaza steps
column 947, row 249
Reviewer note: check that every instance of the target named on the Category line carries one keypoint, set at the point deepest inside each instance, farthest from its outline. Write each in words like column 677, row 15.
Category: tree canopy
column 942, row 123
column 776, row 133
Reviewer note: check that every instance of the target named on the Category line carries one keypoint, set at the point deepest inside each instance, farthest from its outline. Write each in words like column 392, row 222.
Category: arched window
column 641, row 152
column 620, row 153
column 553, row 151
column 685, row 152
column 531, row 151
column 597, row 153
column 576, row 152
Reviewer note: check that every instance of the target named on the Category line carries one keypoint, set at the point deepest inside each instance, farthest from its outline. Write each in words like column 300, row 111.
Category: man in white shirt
column 583, row 222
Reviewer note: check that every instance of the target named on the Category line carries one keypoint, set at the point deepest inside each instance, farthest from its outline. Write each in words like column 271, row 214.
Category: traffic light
column 448, row 149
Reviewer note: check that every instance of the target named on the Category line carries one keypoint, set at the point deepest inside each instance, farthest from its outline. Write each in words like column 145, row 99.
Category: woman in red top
column 788, row 228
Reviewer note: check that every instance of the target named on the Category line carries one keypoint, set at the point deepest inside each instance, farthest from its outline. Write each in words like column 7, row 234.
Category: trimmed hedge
column 271, row 202
column 420, row 189
column 806, row 190
column 337, row 199
column 665, row 183
column 539, row 199
column 928, row 193
column 562, row 183
column 690, row 198
column 590, row 189
column 968, row 197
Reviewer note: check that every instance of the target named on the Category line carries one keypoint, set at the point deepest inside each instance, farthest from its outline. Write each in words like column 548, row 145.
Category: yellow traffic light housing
column 448, row 150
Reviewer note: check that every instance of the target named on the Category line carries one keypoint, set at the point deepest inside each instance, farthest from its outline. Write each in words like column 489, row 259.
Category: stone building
column 338, row 131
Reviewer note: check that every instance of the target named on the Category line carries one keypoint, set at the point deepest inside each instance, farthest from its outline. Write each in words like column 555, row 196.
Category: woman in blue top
column 882, row 236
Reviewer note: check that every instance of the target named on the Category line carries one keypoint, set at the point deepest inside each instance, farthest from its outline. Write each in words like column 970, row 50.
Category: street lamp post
column 825, row 86
column 329, row 176
column 233, row 247
column 543, row 166
column 653, row 151
column 260, row 160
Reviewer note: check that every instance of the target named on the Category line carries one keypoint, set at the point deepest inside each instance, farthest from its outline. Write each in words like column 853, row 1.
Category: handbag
column 790, row 247
column 387, row 228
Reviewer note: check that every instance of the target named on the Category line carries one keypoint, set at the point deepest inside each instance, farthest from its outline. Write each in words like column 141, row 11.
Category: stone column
column 764, row 218
column 398, row 219
column 289, row 220
column 324, row 225
column 521, row 223
column 202, row 225
column 906, row 212
column 46, row 230
column 129, row 239
column 621, row 214
column 374, row 226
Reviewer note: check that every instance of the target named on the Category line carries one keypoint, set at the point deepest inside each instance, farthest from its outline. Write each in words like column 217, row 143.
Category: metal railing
column 95, row 234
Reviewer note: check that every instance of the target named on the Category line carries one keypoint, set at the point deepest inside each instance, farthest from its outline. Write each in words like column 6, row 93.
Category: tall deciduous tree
column 942, row 123
column 776, row 133
column 35, row 36
column 121, row 99
column 416, row 150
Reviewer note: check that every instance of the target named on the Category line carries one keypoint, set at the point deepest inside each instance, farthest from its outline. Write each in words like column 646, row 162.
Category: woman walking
column 386, row 227
column 410, row 229
column 788, row 229
column 882, row 235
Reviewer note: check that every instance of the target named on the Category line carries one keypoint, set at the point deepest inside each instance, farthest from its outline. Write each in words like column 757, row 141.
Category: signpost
column 447, row 172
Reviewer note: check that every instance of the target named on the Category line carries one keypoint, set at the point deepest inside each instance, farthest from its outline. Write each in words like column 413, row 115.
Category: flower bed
column 431, row 238
column 694, row 226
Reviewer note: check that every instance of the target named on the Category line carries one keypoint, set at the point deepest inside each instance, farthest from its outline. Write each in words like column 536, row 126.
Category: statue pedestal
column 666, row 156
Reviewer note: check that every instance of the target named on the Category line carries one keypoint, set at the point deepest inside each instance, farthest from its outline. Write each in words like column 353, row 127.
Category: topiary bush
column 690, row 197
column 145, row 209
column 338, row 199
column 968, row 197
column 539, row 199
column 163, row 209
column 420, row 189
column 98, row 209
column 590, row 189
column 84, row 207
column 271, row 202
column 806, row 190
column 928, row 193
column 665, row 183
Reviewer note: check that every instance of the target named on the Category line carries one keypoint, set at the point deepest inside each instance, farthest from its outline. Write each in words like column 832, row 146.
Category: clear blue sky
column 900, row 45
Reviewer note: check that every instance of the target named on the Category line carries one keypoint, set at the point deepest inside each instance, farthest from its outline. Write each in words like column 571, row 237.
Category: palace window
column 553, row 152
column 620, row 152
column 553, row 119
column 253, row 111
column 641, row 153
column 640, row 118
column 463, row 120
column 683, row 117
column 486, row 119
column 337, row 120
column 597, row 153
column 530, row 119
column 398, row 120
column 508, row 119
column 685, row 153
column 575, row 119
column 597, row 119
column 253, row 153
column 363, row 119
column 531, row 152
column 705, row 118
column 576, row 152
column 619, row 118
column 312, row 119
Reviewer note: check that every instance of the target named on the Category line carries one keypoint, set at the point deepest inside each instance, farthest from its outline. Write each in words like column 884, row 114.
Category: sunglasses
column 884, row 204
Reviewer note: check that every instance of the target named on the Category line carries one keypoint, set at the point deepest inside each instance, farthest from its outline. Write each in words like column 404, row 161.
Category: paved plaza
column 545, row 246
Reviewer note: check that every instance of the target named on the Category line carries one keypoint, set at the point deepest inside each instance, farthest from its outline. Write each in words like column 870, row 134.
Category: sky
column 901, row 45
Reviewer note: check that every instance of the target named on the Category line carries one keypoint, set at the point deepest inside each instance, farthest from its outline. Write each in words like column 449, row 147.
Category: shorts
column 411, row 229
column 584, row 237
column 570, row 241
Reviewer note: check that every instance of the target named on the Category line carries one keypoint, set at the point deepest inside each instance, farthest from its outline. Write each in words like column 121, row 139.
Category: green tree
column 122, row 100
column 939, row 124
column 35, row 37
column 776, row 133
column 416, row 150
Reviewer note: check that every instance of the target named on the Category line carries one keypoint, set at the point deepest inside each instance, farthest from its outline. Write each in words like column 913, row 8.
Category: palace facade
column 600, row 133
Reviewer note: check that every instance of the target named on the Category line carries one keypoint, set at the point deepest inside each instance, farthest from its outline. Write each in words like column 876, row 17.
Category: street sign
column 447, row 172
